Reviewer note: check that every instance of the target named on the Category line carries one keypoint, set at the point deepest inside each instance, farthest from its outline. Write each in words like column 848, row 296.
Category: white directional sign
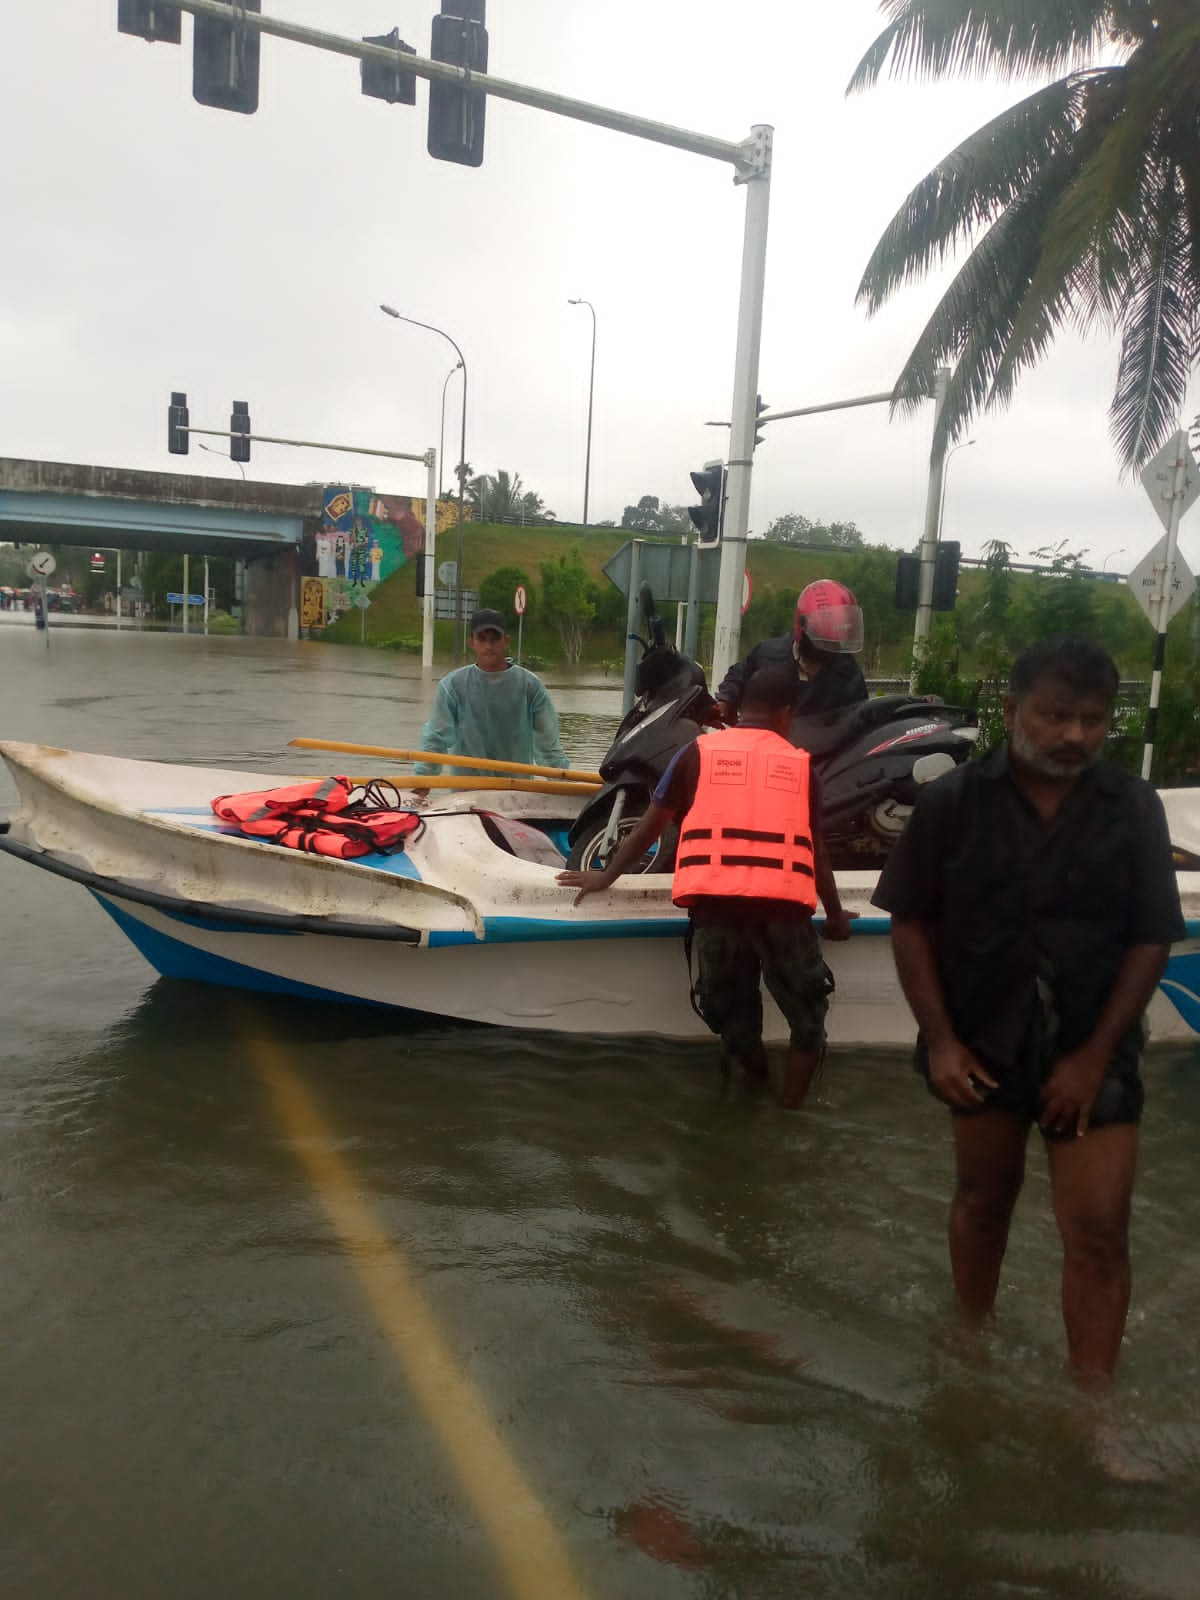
column 362, row 600
column 1146, row 581
column 41, row 565
column 447, row 573
column 1159, row 478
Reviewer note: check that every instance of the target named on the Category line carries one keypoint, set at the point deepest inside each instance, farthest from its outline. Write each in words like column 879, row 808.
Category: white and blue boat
column 467, row 922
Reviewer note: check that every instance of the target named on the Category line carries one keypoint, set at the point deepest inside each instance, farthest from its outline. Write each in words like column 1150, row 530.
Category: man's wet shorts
column 1018, row 1090
column 728, row 960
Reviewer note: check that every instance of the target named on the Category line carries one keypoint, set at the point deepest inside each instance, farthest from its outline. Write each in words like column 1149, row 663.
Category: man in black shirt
column 1033, row 903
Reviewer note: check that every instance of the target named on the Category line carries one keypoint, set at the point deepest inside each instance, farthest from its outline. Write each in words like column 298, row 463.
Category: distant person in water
column 1033, row 901
column 492, row 708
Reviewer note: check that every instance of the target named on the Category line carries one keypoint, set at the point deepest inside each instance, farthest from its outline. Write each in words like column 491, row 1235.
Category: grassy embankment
column 775, row 571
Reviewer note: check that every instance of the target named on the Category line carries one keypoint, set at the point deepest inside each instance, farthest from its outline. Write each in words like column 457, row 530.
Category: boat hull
column 453, row 926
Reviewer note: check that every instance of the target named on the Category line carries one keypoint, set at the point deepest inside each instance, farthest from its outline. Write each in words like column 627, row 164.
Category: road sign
column 362, row 599
column 1146, row 580
column 519, row 600
column 747, row 591
column 97, row 562
column 179, row 599
column 1158, row 476
column 445, row 604
column 665, row 568
column 447, row 573
column 41, row 565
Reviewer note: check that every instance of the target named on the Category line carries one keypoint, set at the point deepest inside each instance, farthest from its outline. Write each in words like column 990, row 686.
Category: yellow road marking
column 529, row 1550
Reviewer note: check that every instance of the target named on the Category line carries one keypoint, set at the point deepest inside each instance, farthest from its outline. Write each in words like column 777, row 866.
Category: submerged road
column 297, row 1301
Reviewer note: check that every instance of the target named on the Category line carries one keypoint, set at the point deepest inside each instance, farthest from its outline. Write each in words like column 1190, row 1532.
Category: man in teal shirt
column 492, row 708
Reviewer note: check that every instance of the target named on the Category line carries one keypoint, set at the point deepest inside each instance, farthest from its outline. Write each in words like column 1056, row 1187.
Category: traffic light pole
column 744, row 414
column 751, row 161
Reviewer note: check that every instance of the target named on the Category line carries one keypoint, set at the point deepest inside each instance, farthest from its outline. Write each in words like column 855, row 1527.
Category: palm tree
column 504, row 498
column 1082, row 202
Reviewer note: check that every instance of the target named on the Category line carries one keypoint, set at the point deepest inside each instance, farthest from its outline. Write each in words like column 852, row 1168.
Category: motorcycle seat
column 822, row 731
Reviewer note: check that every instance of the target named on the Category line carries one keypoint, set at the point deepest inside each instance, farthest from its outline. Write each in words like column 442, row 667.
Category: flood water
column 301, row 1301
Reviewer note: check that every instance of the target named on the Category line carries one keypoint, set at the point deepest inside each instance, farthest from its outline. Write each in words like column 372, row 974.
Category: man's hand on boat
column 590, row 882
column 837, row 924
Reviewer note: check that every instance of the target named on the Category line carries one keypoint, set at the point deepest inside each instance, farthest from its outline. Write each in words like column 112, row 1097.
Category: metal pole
column 206, row 597
column 745, row 394
column 186, row 593
column 442, row 428
column 691, row 636
column 118, row 591
column 1182, row 457
column 459, row 638
column 929, row 538
column 632, row 613
column 433, row 467
column 587, row 466
column 520, row 632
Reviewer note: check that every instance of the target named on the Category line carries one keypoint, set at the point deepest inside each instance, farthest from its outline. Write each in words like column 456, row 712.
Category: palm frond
column 1005, row 38
column 970, row 186
column 1162, row 330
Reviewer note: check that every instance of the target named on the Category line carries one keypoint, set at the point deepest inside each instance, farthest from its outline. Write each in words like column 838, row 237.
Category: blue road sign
column 192, row 599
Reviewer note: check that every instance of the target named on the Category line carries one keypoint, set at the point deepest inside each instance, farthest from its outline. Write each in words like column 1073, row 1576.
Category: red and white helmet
column 830, row 618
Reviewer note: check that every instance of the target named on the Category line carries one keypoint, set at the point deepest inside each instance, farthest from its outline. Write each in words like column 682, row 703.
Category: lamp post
column 587, row 466
column 200, row 445
column 391, row 311
column 442, row 429
column 966, row 444
column 1109, row 556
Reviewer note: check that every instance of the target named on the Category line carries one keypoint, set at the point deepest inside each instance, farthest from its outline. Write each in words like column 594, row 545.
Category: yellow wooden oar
column 404, row 780
column 566, row 774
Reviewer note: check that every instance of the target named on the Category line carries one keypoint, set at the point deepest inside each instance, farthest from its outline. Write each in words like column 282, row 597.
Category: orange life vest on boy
column 748, row 832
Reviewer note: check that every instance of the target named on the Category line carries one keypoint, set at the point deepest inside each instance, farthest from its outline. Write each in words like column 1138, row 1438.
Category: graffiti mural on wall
column 365, row 537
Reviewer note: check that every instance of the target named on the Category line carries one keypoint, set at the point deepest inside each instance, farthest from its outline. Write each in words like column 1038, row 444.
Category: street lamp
column 391, row 311
column 1109, row 556
column 202, row 446
column 587, row 467
column 966, row 444
column 442, row 429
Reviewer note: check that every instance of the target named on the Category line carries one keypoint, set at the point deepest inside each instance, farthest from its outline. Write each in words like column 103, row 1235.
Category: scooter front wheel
column 585, row 852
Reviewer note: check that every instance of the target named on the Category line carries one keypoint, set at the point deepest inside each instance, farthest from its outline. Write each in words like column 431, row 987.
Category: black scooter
column 673, row 706
column 872, row 759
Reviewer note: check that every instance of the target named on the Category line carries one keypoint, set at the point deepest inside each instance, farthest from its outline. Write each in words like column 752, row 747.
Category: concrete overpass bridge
column 270, row 527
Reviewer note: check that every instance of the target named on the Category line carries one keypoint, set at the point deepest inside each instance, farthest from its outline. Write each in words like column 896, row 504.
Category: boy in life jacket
column 750, row 868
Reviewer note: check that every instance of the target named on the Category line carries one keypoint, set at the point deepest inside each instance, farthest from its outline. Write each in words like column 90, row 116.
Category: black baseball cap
column 487, row 618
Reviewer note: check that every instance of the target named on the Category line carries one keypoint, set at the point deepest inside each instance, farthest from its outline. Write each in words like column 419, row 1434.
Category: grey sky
column 155, row 244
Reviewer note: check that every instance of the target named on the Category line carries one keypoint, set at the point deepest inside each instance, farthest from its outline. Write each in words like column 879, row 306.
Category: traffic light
column 389, row 81
column 150, row 19
column 945, row 578
column 225, row 60
column 945, row 575
column 760, row 405
column 456, row 115
column 706, row 517
column 908, row 583
column 177, row 425
column 239, row 431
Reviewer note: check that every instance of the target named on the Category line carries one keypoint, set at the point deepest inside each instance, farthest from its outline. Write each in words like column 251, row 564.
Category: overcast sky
column 153, row 244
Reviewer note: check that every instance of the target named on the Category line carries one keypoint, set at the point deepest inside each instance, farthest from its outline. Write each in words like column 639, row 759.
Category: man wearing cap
column 492, row 708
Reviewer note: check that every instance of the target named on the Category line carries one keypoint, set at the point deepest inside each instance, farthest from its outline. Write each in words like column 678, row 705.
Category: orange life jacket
column 320, row 817
column 748, row 832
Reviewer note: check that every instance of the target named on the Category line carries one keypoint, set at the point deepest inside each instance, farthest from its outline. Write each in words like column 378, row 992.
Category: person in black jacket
column 827, row 635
